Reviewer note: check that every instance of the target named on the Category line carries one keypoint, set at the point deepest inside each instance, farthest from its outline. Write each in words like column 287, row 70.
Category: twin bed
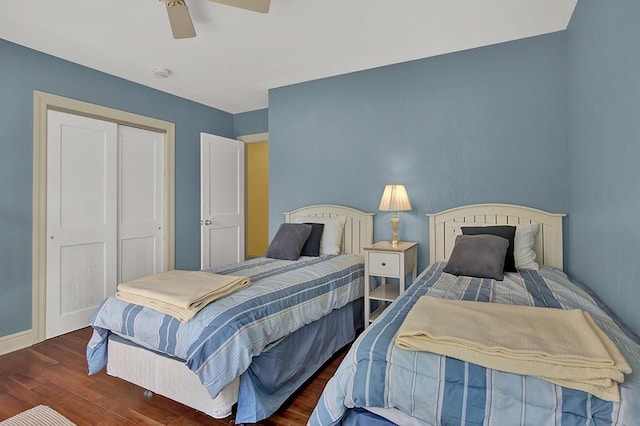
column 380, row 384
column 257, row 346
column 254, row 347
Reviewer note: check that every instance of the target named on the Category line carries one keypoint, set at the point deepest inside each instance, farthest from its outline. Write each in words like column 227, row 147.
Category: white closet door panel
column 222, row 200
column 82, row 279
column 81, row 218
column 139, row 256
column 83, row 169
column 141, row 203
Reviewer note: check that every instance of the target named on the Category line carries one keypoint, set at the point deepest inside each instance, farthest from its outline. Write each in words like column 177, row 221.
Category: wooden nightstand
column 387, row 261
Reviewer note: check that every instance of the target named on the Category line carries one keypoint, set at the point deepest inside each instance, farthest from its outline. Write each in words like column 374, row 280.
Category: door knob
column 207, row 222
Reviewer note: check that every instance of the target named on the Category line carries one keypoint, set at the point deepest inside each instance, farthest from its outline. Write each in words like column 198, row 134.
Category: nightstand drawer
column 384, row 264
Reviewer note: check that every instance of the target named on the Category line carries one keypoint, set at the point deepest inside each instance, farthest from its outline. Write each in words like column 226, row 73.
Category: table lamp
column 395, row 199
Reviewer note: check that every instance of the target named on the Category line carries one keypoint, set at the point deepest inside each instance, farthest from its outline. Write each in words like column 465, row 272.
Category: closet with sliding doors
column 105, row 213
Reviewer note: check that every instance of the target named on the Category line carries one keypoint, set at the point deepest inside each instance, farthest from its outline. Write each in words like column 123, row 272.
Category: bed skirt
column 277, row 373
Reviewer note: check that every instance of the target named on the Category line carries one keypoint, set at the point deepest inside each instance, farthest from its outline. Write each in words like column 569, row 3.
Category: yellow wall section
column 257, row 198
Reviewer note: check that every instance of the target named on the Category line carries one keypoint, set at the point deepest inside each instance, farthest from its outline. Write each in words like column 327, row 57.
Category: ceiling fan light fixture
column 162, row 73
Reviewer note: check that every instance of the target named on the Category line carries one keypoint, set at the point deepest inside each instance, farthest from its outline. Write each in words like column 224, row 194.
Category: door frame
column 42, row 102
column 254, row 138
column 248, row 139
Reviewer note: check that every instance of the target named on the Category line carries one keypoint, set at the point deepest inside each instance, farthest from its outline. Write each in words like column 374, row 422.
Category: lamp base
column 395, row 227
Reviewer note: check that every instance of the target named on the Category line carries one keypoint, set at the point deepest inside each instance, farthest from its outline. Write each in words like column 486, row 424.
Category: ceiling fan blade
column 261, row 6
column 181, row 23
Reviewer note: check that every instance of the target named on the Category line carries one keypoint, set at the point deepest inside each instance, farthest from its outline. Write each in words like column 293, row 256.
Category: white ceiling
column 239, row 55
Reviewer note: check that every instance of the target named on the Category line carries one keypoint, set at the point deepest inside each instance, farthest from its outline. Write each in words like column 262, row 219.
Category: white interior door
column 141, row 203
column 81, row 219
column 222, row 200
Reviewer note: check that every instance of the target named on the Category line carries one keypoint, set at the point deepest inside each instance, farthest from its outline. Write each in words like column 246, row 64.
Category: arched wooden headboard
column 548, row 242
column 358, row 229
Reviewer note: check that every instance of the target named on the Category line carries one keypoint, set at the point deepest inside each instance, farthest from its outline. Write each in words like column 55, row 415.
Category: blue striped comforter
column 220, row 341
column 437, row 390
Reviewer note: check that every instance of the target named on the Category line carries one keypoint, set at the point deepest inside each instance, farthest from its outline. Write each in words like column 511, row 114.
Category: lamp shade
column 395, row 199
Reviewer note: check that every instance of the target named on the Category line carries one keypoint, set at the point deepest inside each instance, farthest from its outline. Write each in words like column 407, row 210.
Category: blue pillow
column 504, row 231
column 312, row 245
column 288, row 242
column 479, row 256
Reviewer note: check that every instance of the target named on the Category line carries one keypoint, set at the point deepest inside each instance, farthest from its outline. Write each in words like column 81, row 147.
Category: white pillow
column 331, row 240
column 524, row 240
column 523, row 250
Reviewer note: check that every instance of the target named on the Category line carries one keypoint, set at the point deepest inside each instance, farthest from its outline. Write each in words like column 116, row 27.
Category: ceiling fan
column 182, row 25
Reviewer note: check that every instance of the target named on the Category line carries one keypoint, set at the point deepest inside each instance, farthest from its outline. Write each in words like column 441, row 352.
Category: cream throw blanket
column 564, row 347
column 180, row 293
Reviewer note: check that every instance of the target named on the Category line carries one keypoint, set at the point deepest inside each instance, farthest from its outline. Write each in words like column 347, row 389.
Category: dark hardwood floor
column 54, row 373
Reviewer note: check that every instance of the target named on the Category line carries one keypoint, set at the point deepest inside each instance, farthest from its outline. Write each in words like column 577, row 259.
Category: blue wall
column 252, row 122
column 484, row 125
column 21, row 72
column 604, row 151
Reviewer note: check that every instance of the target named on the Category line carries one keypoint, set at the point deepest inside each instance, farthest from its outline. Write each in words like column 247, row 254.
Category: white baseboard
column 16, row 341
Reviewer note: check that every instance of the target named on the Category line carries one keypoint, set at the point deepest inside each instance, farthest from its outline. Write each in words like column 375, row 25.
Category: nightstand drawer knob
column 384, row 264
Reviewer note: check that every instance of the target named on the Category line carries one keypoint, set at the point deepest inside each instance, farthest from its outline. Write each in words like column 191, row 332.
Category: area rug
column 38, row 416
